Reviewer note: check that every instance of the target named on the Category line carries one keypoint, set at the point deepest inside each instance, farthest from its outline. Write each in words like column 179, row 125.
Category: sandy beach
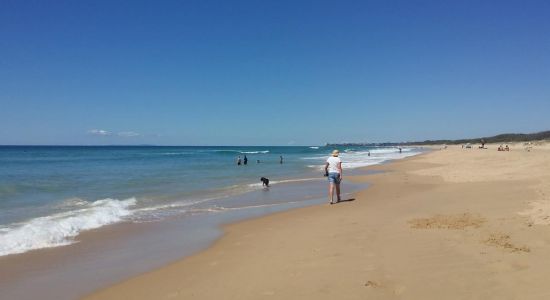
column 449, row 224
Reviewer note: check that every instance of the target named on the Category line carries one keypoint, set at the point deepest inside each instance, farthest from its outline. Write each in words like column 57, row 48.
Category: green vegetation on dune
column 501, row 138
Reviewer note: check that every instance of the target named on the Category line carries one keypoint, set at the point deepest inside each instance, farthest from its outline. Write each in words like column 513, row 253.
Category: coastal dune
column 448, row 224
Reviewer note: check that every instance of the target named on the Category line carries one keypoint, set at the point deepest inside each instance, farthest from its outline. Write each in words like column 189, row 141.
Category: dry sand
column 449, row 224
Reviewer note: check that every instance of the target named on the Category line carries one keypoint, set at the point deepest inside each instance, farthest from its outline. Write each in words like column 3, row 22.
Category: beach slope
column 448, row 224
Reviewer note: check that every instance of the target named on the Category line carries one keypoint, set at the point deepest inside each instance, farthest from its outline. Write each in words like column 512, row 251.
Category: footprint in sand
column 460, row 221
column 372, row 284
column 503, row 241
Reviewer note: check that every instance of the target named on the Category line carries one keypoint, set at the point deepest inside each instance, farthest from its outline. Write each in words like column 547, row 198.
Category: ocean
column 49, row 195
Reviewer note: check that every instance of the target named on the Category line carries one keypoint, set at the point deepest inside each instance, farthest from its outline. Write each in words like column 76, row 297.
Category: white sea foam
column 72, row 203
column 72, row 216
column 218, row 151
column 272, row 182
column 355, row 159
column 172, row 206
column 254, row 152
column 61, row 228
column 314, row 147
column 237, row 151
column 174, row 153
column 377, row 156
column 217, row 208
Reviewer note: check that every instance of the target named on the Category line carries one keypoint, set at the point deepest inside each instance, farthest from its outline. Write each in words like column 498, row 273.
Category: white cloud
column 128, row 134
column 99, row 132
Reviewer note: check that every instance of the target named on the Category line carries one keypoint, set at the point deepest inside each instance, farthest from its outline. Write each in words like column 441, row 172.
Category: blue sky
column 271, row 72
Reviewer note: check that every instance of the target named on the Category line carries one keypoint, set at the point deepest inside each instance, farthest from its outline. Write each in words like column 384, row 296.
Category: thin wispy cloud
column 124, row 134
column 99, row 132
column 128, row 134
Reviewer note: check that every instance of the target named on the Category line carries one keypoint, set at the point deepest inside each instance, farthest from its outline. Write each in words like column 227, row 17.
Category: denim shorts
column 334, row 177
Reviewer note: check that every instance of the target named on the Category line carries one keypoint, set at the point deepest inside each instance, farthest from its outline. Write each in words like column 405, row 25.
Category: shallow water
column 108, row 255
column 50, row 195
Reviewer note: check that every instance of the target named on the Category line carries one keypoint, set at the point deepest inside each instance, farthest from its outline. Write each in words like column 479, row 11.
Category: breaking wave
column 61, row 228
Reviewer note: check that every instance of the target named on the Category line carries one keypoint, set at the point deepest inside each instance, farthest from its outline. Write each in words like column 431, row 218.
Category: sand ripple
column 460, row 221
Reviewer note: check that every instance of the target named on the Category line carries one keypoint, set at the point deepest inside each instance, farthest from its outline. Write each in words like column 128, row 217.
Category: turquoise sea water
column 49, row 194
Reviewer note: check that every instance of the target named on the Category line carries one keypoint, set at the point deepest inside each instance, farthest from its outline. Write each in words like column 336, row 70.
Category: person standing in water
column 333, row 170
column 239, row 160
column 281, row 159
column 245, row 160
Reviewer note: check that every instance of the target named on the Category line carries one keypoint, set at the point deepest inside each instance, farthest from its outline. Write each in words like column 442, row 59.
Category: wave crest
column 254, row 152
column 60, row 229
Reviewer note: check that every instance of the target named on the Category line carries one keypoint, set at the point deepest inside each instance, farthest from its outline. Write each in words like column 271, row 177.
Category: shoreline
column 124, row 191
column 427, row 228
column 358, row 176
column 99, row 250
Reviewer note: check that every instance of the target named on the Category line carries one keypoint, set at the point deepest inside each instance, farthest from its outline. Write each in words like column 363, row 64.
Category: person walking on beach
column 245, row 160
column 333, row 170
column 239, row 160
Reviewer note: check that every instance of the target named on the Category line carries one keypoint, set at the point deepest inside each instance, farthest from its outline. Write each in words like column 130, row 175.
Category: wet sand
column 105, row 256
column 449, row 224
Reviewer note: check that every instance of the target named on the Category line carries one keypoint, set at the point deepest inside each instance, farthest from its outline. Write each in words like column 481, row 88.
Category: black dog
column 265, row 181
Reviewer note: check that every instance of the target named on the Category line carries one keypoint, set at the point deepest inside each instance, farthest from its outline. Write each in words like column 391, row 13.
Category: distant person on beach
column 239, row 160
column 245, row 160
column 257, row 161
column 368, row 153
column 400, row 150
column 333, row 170
column 281, row 159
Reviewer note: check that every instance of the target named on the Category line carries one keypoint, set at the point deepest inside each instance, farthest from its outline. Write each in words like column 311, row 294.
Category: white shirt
column 333, row 164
